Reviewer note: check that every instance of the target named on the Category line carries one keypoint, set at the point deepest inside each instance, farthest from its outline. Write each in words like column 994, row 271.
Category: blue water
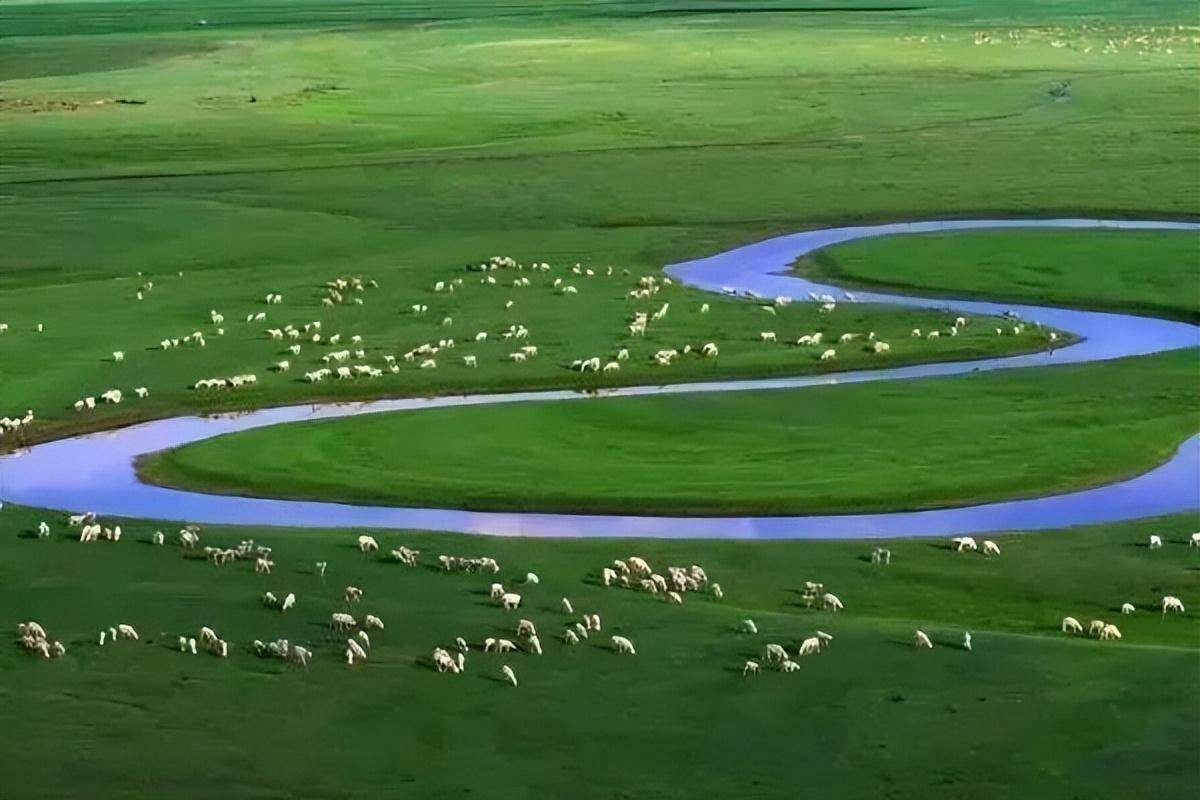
column 95, row 472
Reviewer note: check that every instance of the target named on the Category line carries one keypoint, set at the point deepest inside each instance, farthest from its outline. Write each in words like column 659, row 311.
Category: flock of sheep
column 633, row 573
column 350, row 363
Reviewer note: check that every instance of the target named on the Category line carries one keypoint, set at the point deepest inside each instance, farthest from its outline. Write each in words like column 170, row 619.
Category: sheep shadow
column 27, row 535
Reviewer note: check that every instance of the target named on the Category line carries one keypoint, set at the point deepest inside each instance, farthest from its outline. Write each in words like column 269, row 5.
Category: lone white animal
column 748, row 626
column 967, row 641
column 1127, row 608
column 831, row 602
column 566, row 606
column 373, row 621
column 774, row 652
column 1155, row 541
column 531, row 578
column 1071, row 625
column 1172, row 603
column 623, row 645
column 921, row 639
column 508, row 674
column 809, row 646
column 750, row 668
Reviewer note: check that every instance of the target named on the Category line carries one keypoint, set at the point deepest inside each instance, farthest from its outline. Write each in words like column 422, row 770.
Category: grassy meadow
column 871, row 715
column 1149, row 272
column 830, row 449
column 227, row 150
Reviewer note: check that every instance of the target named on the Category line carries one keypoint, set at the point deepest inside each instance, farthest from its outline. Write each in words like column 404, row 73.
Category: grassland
column 286, row 142
column 402, row 143
column 870, row 716
column 1152, row 272
column 833, row 449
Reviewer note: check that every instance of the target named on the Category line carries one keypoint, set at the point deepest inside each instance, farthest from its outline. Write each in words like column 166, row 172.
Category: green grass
column 401, row 140
column 1150, row 272
column 600, row 133
column 836, row 449
column 583, row 722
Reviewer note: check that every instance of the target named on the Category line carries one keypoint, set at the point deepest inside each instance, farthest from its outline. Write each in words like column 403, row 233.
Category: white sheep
column 831, row 602
column 1172, row 603
column 1071, row 625
column 750, row 668
column 774, row 652
column 1155, row 541
column 508, row 674
column 622, row 645
column 1127, row 608
column 566, row 606
column 510, row 601
column 990, row 548
column 373, row 622
column 748, row 626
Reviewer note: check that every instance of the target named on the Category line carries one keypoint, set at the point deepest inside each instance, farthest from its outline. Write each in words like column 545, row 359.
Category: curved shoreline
column 96, row 472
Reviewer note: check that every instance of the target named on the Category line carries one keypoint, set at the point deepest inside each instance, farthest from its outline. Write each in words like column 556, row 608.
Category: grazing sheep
column 566, row 606
column 510, row 601
column 990, row 548
column 1109, row 631
column 607, row 576
column 716, row 590
column 1171, row 603
column 341, row 622
column 674, row 598
column 367, row 544
column 622, row 645
column 373, row 622
column 767, row 336
column 321, row 565
column 354, row 650
column 353, row 594
column 881, row 555
column 809, row 646
column 288, row 602
column 505, row 646
column 591, row 622
column 750, row 668
column 526, row 628
column 830, row 602
column 570, row 637
column 773, row 652
column 1096, row 627
column 1127, row 608
column 531, row 578
column 497, row 591
column 1194, row 541
column 788, row 665
column 962, row 543
column 1155, row 541
column 967, row 641
column 126, row 632
column 748, row 626
column 508, row 674
column 921, row 639
column 270, row 600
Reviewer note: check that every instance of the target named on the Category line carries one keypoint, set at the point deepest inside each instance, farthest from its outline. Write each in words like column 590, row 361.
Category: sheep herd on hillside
column 501, row 273
column 672, row 583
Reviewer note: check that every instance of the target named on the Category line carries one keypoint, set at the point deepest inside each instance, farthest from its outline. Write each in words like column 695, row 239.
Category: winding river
column 96, row 472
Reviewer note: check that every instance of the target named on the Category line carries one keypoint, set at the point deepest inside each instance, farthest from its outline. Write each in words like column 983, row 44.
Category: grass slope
column 1151, row 272
column 601, row 133
column 837, row 449
column 871, row 716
